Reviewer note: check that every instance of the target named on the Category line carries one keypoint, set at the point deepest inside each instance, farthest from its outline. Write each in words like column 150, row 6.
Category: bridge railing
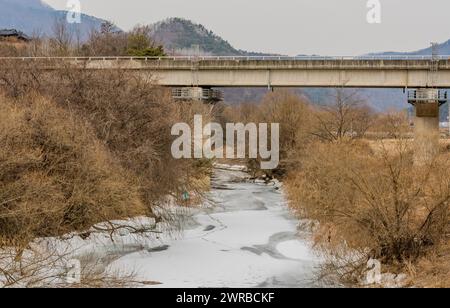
column 428, row 95
column 240, row 58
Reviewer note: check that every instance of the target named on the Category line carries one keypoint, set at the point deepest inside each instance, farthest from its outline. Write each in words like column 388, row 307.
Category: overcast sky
column 326, row 27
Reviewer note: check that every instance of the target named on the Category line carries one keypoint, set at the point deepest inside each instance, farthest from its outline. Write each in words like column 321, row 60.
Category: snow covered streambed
column 248, row 238
column 245, row 237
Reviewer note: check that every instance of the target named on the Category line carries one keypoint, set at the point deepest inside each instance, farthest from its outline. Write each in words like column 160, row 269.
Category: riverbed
column 245, row 237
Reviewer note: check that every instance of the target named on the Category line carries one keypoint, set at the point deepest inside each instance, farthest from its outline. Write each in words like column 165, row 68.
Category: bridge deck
column 386, row 72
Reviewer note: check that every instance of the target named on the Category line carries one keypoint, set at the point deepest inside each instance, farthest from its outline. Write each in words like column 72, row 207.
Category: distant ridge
column 36, row 17
column 442, row 49
column 179, row 35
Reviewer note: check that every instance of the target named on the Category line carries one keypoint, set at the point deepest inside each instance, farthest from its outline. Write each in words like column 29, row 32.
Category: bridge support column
column 197, row 94
column 426, row 123
column 426, row 132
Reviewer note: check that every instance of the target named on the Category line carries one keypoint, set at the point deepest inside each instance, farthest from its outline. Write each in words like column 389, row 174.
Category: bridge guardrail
column 237, row 58
column 427, row 95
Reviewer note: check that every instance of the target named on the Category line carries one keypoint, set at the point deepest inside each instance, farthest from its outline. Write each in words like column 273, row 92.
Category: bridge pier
column 204, row 94
column 426, row 123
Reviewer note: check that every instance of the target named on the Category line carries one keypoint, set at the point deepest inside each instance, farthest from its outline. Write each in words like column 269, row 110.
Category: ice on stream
column 248, row 238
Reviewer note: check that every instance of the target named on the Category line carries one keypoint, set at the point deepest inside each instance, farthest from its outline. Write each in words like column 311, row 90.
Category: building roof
column 14, row 33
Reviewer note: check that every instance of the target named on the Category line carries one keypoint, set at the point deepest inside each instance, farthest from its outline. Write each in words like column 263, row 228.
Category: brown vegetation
column 378, row 201
column 129, row 114
column 80, row 148
column 352, row 171
column 294, row 115
column 56, row 177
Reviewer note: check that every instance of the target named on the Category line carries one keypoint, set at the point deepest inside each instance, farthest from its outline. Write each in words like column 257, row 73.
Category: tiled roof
column 13, row 33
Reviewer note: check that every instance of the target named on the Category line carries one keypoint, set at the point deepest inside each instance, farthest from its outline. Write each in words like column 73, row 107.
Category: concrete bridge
column 207, row 72
column 193, row 77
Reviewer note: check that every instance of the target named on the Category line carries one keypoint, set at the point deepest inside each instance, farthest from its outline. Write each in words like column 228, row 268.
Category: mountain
column 442, row 49
column 179, row 36
column 35, row 17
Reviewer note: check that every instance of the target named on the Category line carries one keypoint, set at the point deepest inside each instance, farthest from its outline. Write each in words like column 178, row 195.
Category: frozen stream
column 248, row 239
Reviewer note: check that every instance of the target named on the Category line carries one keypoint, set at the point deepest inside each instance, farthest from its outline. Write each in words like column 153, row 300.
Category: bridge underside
column 355, row 73
column 248, row 72
column 302, row 78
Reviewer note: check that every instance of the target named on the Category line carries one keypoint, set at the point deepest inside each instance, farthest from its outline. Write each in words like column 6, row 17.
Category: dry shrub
column 44, row 264
column 194, row 174
column 294, row 115
column 291, row 111
column 186, row 175
column 130, row 114
column 392, row 124
column 133, row 117
column 244, row 112
column 8, row 50
column 56, row 177
column 381, row 204
column 19, row 77
column 433, row 270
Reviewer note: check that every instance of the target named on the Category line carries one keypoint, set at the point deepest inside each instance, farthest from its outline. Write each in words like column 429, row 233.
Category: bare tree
column 62, row 37
column 347, row 116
